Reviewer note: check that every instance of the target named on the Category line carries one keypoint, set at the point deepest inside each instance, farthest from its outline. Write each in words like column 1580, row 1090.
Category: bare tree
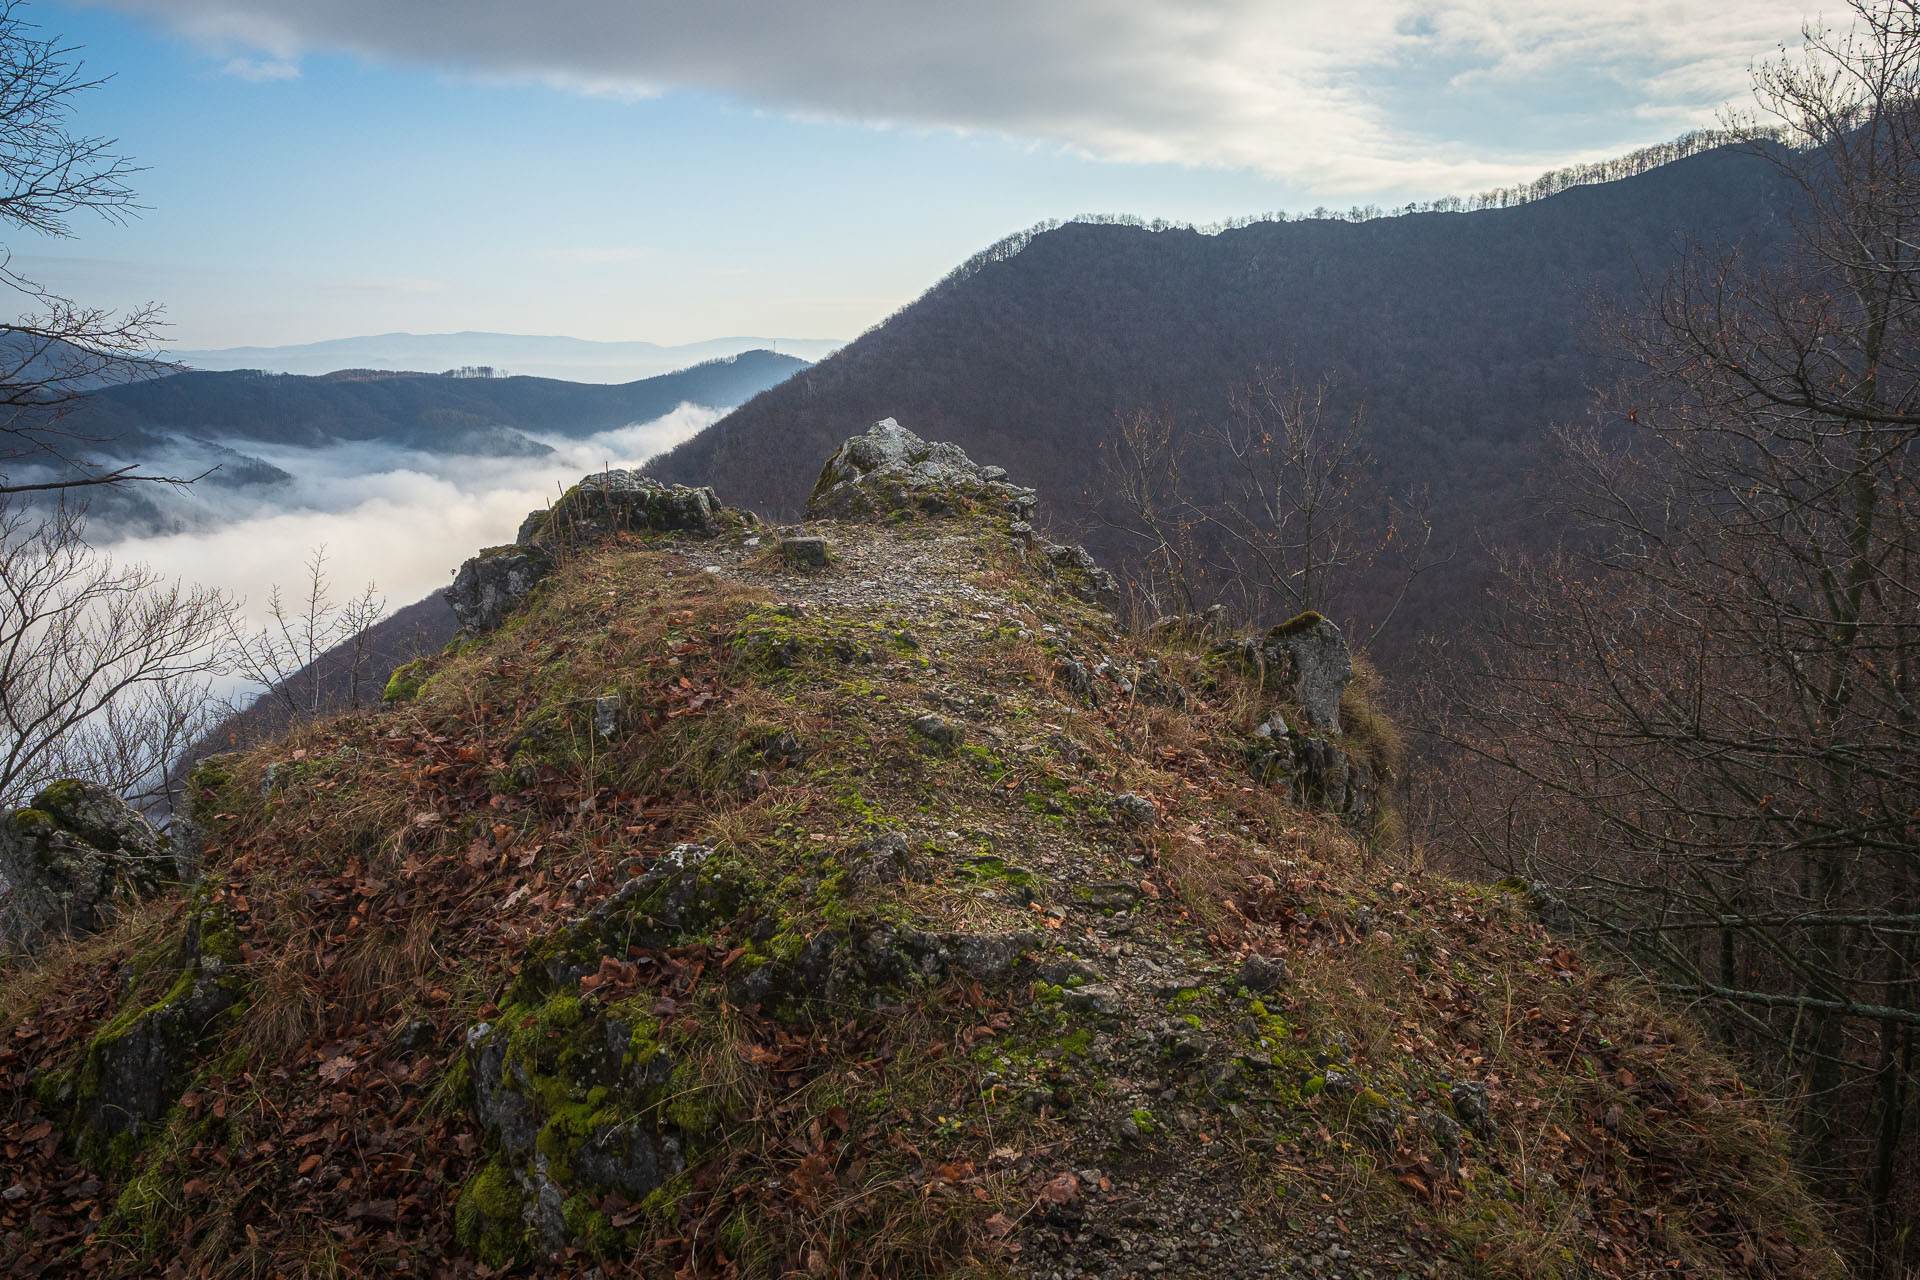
column 1148, row 503
column 292, row 656
column 57, row 350
column 1702, row 716
column 1303, row 515
column 105, row 670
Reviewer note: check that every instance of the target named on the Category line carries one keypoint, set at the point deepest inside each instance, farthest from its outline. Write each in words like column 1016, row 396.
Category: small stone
column 14, row 1194
column 1095, row 998
column 942, row 735
column 810, row 551
column 1473, row 1108
column 416, row 1035
column 1263, row 973
column 606, row 715
column 1135, row 808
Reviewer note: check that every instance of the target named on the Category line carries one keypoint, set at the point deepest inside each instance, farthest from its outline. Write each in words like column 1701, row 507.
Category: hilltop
column 842, row 899
column 1467, row 336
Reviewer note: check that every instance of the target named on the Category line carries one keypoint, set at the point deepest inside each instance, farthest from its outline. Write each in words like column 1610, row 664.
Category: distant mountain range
column 535, row 355
column 1467, row 335
column 438, row 413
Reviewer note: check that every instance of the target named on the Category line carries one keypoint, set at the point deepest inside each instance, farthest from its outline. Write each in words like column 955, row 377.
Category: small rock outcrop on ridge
column 488, row 587
column 729, row 913
column 891, row 470
column 70, row 856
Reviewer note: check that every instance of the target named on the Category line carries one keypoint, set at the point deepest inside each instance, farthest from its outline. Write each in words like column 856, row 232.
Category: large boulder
column 891, row 470
column 611, row 502
column 136, row 1066
column 68, row 857
column 1312, row 659
column 487, row 587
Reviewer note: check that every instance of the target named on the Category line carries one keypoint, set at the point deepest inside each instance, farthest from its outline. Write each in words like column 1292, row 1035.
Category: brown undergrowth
column 391, row 874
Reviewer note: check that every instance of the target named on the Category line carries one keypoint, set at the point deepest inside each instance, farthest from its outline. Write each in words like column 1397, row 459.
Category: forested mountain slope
column 1466, row 334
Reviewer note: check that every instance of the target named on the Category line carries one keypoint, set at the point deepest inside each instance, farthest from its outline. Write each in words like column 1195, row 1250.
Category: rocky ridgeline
column 850, row 898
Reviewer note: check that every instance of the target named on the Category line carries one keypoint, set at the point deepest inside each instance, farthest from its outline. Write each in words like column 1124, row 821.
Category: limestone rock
column 938, row 734
column 890, row 469
column 1082, row 577
column 1473, row 1108
column 69, row 856
column 810, row 552
column 610, row 502
column 1261, row 974
column 488, row 586
column 1316, row 664
column 136, row 1066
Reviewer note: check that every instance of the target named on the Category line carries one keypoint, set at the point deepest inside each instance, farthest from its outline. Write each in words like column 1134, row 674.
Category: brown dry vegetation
column 389, row 883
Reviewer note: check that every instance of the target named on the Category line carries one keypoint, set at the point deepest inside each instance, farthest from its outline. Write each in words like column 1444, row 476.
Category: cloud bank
column 399, row 519
column 1336, row 97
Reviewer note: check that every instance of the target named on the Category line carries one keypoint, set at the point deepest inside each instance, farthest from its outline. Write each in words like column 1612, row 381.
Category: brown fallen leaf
column 1064, row 1189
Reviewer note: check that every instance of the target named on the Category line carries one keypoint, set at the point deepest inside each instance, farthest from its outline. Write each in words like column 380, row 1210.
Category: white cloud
column 400, row 519
column 1291, row 88
column 262, row 70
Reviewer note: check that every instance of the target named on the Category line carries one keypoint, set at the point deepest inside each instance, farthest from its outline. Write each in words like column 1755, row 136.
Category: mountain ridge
column 846, row 900
column 1465, row 334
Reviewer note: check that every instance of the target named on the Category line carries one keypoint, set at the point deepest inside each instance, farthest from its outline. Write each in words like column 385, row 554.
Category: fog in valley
column 402, row 519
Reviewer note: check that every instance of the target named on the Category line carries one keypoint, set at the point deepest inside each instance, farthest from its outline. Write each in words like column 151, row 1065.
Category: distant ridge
column 1468, row 335
column 534, row 355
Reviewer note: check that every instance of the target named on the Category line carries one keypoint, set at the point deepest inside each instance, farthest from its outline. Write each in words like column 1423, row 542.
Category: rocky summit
column 847, row 899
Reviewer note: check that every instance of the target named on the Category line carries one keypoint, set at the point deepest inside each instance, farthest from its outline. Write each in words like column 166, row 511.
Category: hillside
column 848, row 901
column 1466, row 334
column 428, row 411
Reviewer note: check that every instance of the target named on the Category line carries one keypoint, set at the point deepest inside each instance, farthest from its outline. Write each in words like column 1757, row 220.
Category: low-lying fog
column 398, row 518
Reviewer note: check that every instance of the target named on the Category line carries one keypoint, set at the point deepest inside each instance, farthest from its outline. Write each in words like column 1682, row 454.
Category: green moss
column 1143, row 1121
column 1300, row 622
column 486, row 1218
column 405, row 682
column 33, row 820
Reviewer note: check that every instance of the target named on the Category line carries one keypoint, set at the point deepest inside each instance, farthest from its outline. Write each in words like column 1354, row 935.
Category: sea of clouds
column 399, row 519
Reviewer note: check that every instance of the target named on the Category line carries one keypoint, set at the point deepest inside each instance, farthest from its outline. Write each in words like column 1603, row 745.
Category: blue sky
column 628, row 170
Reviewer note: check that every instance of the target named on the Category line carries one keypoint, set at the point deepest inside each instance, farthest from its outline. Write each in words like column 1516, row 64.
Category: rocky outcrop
column 1075, row 569
column 135, row 1066
column 488, row 587
column 67, row 858
column 1314, row 663
column 890, row 470
column 587, row 1089
column 610, row 502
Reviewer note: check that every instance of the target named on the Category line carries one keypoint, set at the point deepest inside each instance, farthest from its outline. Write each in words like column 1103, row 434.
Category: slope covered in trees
column 424, row 410
column 1465, row 334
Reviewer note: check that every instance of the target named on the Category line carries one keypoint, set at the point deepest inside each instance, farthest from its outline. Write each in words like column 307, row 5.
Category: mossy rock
column 135, row 1066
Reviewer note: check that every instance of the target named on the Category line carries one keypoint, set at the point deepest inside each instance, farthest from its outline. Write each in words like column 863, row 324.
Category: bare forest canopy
column 1467, row 336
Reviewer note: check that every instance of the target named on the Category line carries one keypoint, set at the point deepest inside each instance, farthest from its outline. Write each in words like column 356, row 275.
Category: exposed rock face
column 585, row 1087
column 1083, row 578
column 70, row 855
column 1317, row 665
column 136, row 1066
column 890, row 469
column 610, row 502
column 487, row 587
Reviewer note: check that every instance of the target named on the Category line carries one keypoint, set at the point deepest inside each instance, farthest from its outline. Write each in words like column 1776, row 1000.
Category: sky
column 636, row 170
